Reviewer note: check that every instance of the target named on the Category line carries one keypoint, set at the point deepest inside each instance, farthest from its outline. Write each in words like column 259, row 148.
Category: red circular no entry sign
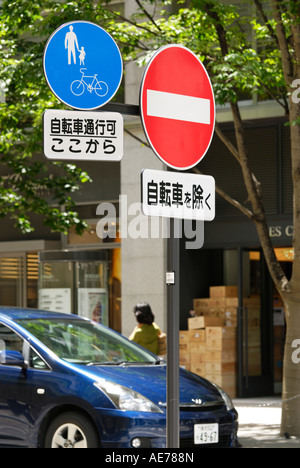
column 177, row 107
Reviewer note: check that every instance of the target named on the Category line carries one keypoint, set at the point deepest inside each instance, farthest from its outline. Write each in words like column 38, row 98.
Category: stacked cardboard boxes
column 223, row 303
column 209, row 346
column 197, row 336
column 221, row 357
column 211, row 353
column 192, row 350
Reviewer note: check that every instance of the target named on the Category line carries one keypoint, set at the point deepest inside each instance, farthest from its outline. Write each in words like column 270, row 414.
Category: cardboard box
column 184, row 348
column 198, row 368
column 184, row 336
column 201, row 303
column 197, row 347
column 220, row 356
column 223, row 291
column 226, row 382
column 221, row 338
column 195, row 323
column 220, row 368
column 221, row 333
column 231, row 317
column 221, row 345
column 197, row 336
column 231, row 302
column 184, row 359
column 215, row 312
column 196, row 358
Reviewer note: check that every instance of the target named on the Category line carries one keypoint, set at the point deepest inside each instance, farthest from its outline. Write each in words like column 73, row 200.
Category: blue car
column 68, row 382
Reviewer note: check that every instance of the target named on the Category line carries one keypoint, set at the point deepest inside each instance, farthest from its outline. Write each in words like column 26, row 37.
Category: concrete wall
column 143, row 259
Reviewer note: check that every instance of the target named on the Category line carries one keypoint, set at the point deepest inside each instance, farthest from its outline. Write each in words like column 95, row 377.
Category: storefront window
column 56, row 286
column 77, row 282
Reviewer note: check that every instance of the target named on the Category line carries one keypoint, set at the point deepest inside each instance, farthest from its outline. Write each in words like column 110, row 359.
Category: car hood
column 150, row 381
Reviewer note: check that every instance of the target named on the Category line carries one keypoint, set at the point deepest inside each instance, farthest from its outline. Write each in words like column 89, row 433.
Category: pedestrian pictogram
column 177, row 107
column 83, row 65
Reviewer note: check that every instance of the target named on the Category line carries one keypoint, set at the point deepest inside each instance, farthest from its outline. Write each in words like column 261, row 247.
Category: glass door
column 255, row 322
column 92, row 290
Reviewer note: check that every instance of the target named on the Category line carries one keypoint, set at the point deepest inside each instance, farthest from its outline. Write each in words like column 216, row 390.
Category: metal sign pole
column 173, row 297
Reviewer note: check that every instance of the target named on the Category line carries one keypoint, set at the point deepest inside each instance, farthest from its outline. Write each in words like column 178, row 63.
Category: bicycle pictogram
column 89, row 83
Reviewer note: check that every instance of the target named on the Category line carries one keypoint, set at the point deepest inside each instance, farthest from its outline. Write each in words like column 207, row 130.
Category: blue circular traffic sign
column 82, row 65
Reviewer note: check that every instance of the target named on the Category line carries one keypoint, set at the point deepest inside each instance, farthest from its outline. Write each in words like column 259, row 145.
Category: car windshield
column 85, row 342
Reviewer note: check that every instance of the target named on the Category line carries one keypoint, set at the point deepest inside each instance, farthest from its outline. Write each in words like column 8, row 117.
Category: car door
column 15, row 394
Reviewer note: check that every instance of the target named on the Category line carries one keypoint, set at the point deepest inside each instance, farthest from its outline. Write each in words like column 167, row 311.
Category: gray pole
column 173, row 417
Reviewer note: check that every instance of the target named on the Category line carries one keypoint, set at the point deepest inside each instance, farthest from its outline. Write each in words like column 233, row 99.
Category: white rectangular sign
column 55, row 299
column 83, row 136
column 178, row 195
column 178, row 107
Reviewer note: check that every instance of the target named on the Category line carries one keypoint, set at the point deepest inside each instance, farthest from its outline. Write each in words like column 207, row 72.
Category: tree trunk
column 290, row 423
column 290, row 58
column 291, row 371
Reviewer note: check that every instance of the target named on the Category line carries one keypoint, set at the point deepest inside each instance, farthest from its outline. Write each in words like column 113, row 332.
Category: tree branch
column 229, row 199
column 220, row 192
column 219, row 28
column 227, row 142
column 151, row 19
column 143, row 143
column 135, row 24
column 259, row 7
column 283, row 104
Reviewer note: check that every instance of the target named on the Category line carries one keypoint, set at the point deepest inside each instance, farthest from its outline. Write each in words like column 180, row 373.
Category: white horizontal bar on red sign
column 178, row 107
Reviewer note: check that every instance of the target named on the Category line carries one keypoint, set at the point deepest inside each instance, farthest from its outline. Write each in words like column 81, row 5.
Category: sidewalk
column 259, row 424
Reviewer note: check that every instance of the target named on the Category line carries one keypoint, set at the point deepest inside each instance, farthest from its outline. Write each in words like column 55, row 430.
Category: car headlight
column 125, row 398
column 226, row 398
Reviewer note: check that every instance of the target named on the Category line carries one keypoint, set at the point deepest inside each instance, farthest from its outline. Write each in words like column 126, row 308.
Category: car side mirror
column 12, row 358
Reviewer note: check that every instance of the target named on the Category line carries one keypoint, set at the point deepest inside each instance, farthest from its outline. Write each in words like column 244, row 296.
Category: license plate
column 206, row 433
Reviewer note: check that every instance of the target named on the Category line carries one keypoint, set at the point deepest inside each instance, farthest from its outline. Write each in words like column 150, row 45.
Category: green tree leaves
column 29, row 184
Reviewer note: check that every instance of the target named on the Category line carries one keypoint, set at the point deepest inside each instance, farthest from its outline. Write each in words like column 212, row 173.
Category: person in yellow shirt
column 147, row 331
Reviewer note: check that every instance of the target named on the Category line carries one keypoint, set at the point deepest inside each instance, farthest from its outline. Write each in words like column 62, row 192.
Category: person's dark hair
column 143, row 313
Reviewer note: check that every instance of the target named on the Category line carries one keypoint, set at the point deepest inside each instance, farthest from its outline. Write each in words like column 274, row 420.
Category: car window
column 85, row 342
column 36, row 362
column 9, row 340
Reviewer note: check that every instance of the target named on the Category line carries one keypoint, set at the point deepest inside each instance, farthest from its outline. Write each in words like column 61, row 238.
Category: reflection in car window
column 84, row 342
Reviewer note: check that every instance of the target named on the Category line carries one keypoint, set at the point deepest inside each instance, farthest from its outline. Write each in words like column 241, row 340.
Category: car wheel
column 71, row 430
